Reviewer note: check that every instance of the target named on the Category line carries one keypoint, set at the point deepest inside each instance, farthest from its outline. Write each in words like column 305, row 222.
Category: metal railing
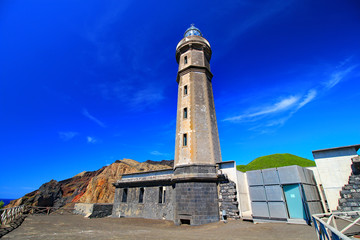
column 337, row 225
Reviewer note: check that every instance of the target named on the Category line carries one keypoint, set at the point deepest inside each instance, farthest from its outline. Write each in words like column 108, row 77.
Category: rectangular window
column 160, row 194
column 185, row 60
column 185, row 139
column 141, row 195
column 164, row 195
column 185, row 112
column 124, row 196
column 185, row 90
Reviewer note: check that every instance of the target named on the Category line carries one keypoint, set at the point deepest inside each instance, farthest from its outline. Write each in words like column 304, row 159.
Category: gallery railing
column 337, row 225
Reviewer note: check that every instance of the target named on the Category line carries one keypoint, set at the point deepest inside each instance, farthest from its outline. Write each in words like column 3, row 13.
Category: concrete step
column 350, row 204
column 342, row 200
column 344, row 209
column 354, row 177
column 349, row 194
column 228, row 200
column 347, row 191
column 351, row 186
column 357, row 182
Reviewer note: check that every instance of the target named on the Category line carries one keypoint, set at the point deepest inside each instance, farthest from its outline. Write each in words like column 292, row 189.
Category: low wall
column 93, row 210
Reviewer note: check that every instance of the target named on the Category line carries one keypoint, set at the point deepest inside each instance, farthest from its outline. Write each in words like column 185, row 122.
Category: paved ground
column 78, row 227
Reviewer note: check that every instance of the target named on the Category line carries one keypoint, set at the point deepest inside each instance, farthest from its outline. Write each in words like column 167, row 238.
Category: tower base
column 196, row 195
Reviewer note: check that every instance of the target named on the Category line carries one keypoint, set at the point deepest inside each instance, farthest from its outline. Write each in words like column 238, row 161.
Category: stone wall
column 196, row 203
column 350, row 193
column 196, row 195
column 228, row 199
column 150, row 207
column 93, row 210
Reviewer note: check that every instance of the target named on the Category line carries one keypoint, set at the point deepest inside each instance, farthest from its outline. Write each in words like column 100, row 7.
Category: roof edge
column 356, row 146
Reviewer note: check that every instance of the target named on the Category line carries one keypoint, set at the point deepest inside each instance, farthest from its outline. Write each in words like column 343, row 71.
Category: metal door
column 294, row 201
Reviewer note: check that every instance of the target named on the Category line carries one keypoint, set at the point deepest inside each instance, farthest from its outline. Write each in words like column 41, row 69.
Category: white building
column 334, row 168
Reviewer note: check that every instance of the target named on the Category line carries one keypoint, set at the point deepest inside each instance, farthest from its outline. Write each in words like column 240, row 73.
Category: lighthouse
column 197, row 147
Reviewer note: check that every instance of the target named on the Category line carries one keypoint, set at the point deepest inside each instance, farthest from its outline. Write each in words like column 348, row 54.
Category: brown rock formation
column 87, row 187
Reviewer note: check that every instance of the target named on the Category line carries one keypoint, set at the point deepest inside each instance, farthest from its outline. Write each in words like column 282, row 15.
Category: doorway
column 294, row 201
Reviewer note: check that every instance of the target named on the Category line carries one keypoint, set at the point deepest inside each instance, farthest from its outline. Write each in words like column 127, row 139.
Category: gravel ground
column 77, row 227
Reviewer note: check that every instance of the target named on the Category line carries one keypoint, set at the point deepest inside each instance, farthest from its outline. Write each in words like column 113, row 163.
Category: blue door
column 294, row 201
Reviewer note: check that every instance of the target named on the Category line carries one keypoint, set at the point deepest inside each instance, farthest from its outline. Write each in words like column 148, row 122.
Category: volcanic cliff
column 87, row 187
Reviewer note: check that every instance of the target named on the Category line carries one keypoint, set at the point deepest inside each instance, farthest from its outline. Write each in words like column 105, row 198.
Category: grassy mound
column 275, row 160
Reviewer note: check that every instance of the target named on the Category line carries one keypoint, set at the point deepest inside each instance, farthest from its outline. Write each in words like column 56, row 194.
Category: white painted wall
column 334, row 168
column 244, row 196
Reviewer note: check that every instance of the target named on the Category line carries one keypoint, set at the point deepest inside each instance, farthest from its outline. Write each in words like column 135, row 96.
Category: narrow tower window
column 124, row 196
column 141, row 195
column 185, row 90
column 185, row 60
column 185, row 139
column 185, row 112
column 160, row 194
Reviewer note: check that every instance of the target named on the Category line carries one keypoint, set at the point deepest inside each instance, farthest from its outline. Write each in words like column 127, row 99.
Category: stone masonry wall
column 149, row 208
column 228, row 200
column 196, row 202
column 350, row 195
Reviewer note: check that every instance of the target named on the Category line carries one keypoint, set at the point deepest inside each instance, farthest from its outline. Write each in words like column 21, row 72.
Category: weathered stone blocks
column 228, row 199
column 350, row 195
column 196, row 195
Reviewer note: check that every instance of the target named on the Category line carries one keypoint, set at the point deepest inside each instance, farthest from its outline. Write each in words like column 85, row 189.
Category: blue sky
column 84, row 83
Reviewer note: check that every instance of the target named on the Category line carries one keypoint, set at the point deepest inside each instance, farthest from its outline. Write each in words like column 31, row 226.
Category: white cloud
column 131, row 93
column 338, row 76
column 92, row 118
column 146, row 97
column 259, row 16
column 277, row 114
column 157, row 153
column 308, row 98
column 91, row 139
column 279, row 106
column 28, row 188
column 66, row 136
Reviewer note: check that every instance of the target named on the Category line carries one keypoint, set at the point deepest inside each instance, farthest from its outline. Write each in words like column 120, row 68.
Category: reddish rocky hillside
column 87, row 187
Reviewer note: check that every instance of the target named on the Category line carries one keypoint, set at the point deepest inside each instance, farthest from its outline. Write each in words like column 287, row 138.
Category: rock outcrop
column 87, row 187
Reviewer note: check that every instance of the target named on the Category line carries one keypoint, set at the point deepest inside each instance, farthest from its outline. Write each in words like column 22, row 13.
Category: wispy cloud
column 66, row 136
column 338, row 76
column 258, row 16
column 91, row 139
column 146, row 96
column 92, row 118
column 28, row 188
column 308, row 98
column 278, row 112
column 132, row 94
column 157, row 153
column 279, row 106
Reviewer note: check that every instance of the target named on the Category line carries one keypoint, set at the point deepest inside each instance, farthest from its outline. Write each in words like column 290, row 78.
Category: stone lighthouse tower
column 197, row 147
